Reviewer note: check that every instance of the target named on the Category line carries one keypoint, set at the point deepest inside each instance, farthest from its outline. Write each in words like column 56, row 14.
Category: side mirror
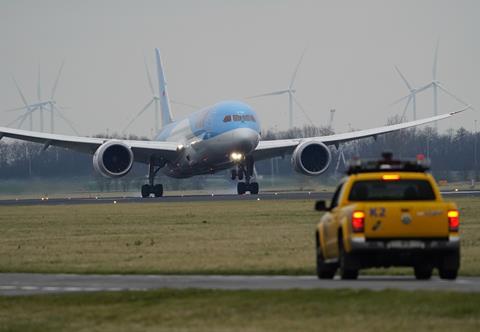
column 321, row 206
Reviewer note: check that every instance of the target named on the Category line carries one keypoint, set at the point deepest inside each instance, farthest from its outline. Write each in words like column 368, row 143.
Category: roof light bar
column 390, row 177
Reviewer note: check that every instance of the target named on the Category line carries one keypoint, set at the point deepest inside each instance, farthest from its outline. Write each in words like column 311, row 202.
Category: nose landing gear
column 247, row 172
column 151, row 188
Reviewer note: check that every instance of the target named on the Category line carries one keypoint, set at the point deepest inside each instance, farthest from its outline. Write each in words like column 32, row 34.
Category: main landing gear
column 151, row 188
column 245, row 171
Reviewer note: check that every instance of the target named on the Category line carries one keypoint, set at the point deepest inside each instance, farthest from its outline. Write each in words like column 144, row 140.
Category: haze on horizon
column 215, row 50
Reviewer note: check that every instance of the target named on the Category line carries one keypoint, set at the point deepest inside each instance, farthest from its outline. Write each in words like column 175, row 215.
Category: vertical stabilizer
column 163, row 94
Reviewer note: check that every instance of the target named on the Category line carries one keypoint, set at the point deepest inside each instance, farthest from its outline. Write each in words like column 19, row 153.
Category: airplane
column 223, row 136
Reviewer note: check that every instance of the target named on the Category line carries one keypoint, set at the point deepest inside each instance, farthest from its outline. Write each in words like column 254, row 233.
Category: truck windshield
column 402, row 190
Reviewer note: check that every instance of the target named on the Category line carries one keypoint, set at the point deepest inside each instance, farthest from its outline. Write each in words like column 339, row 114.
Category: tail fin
column 163, row 95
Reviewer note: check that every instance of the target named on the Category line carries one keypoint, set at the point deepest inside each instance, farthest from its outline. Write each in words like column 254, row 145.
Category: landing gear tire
column 241, row 188
column 234, row 174
column 253, row 187
column 151, row 188
column 158, row 190
column 146, row 190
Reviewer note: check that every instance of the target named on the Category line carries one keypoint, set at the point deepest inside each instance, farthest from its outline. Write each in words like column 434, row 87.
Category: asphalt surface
column 26, row 283
column 194, row 198
column 166, row 199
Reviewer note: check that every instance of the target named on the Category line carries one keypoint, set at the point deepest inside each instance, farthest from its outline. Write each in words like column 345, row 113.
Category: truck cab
column 388, row 213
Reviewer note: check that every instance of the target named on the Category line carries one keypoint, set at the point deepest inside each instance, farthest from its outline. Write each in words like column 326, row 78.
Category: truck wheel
column 324, row 270
column 348, row 263
column 423, row 272
column 449, row 266
column 448, row 274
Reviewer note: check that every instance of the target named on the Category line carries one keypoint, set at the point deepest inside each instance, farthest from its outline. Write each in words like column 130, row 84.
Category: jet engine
column 113, row 159
column 311, row 158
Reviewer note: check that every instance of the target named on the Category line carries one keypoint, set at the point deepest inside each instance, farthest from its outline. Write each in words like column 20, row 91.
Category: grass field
column 203, row 310
column 249, row 237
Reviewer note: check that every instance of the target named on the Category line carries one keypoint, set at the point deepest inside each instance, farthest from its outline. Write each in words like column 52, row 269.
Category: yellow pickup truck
column 388, row 213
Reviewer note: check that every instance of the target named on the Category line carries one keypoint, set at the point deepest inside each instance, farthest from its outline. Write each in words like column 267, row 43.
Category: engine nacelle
column 311, row 158
column 113, row 159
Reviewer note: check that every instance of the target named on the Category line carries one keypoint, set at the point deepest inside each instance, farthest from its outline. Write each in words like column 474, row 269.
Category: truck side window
column 336, row 196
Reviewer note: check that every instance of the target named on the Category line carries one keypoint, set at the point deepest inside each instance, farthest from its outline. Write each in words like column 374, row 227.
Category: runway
column 26, row 283
column 194, row 198
column 167, row 199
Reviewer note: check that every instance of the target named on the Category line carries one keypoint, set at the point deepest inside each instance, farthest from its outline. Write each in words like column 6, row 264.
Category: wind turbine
column 434, row 84
column 28, row 111
column 332, row 117
column 411, row 97
column 41, row 106
column 291, row 95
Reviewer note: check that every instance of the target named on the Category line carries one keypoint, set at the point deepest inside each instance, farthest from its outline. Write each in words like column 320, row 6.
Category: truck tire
column 324, row 270
column 348, row 263
column 423, row 272
column 449, row 266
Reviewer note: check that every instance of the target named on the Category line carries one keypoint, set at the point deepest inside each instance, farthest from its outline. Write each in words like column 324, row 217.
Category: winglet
column 466, row 108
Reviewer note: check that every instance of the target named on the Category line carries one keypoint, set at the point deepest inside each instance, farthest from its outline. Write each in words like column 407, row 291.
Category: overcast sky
column 221, row 50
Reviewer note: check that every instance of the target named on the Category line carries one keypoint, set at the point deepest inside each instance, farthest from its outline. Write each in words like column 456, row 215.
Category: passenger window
column 237, row 117
column 336, row 197
column 227, row 118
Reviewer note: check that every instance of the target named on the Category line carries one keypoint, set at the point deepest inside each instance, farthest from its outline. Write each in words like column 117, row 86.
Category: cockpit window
column 237, row 118
column 248, row 117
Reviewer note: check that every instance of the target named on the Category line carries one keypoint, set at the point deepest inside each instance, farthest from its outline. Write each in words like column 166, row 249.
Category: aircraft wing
column 142, row 150
column 275, row 148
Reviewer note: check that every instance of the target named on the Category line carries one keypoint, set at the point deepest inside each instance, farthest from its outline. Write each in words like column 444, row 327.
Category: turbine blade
column 15, row 109
column 149, row 78
column 435, row 60
column 54, row 89
column 184, row 104
column 274, row 93
column 423, row 88
column 406, row 106
column 294, row 76
column 451, row 95
column 23, row 118
column 20, row 93
column 400, row 100
column 302, row 109
column 145, row 108
column 67, row 121
column 403, row 78
column 39, row 94
column 138, row 114
column 16, row 119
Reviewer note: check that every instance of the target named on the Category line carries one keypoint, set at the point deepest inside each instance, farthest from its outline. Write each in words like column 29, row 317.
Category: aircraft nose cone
column 247, row 140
